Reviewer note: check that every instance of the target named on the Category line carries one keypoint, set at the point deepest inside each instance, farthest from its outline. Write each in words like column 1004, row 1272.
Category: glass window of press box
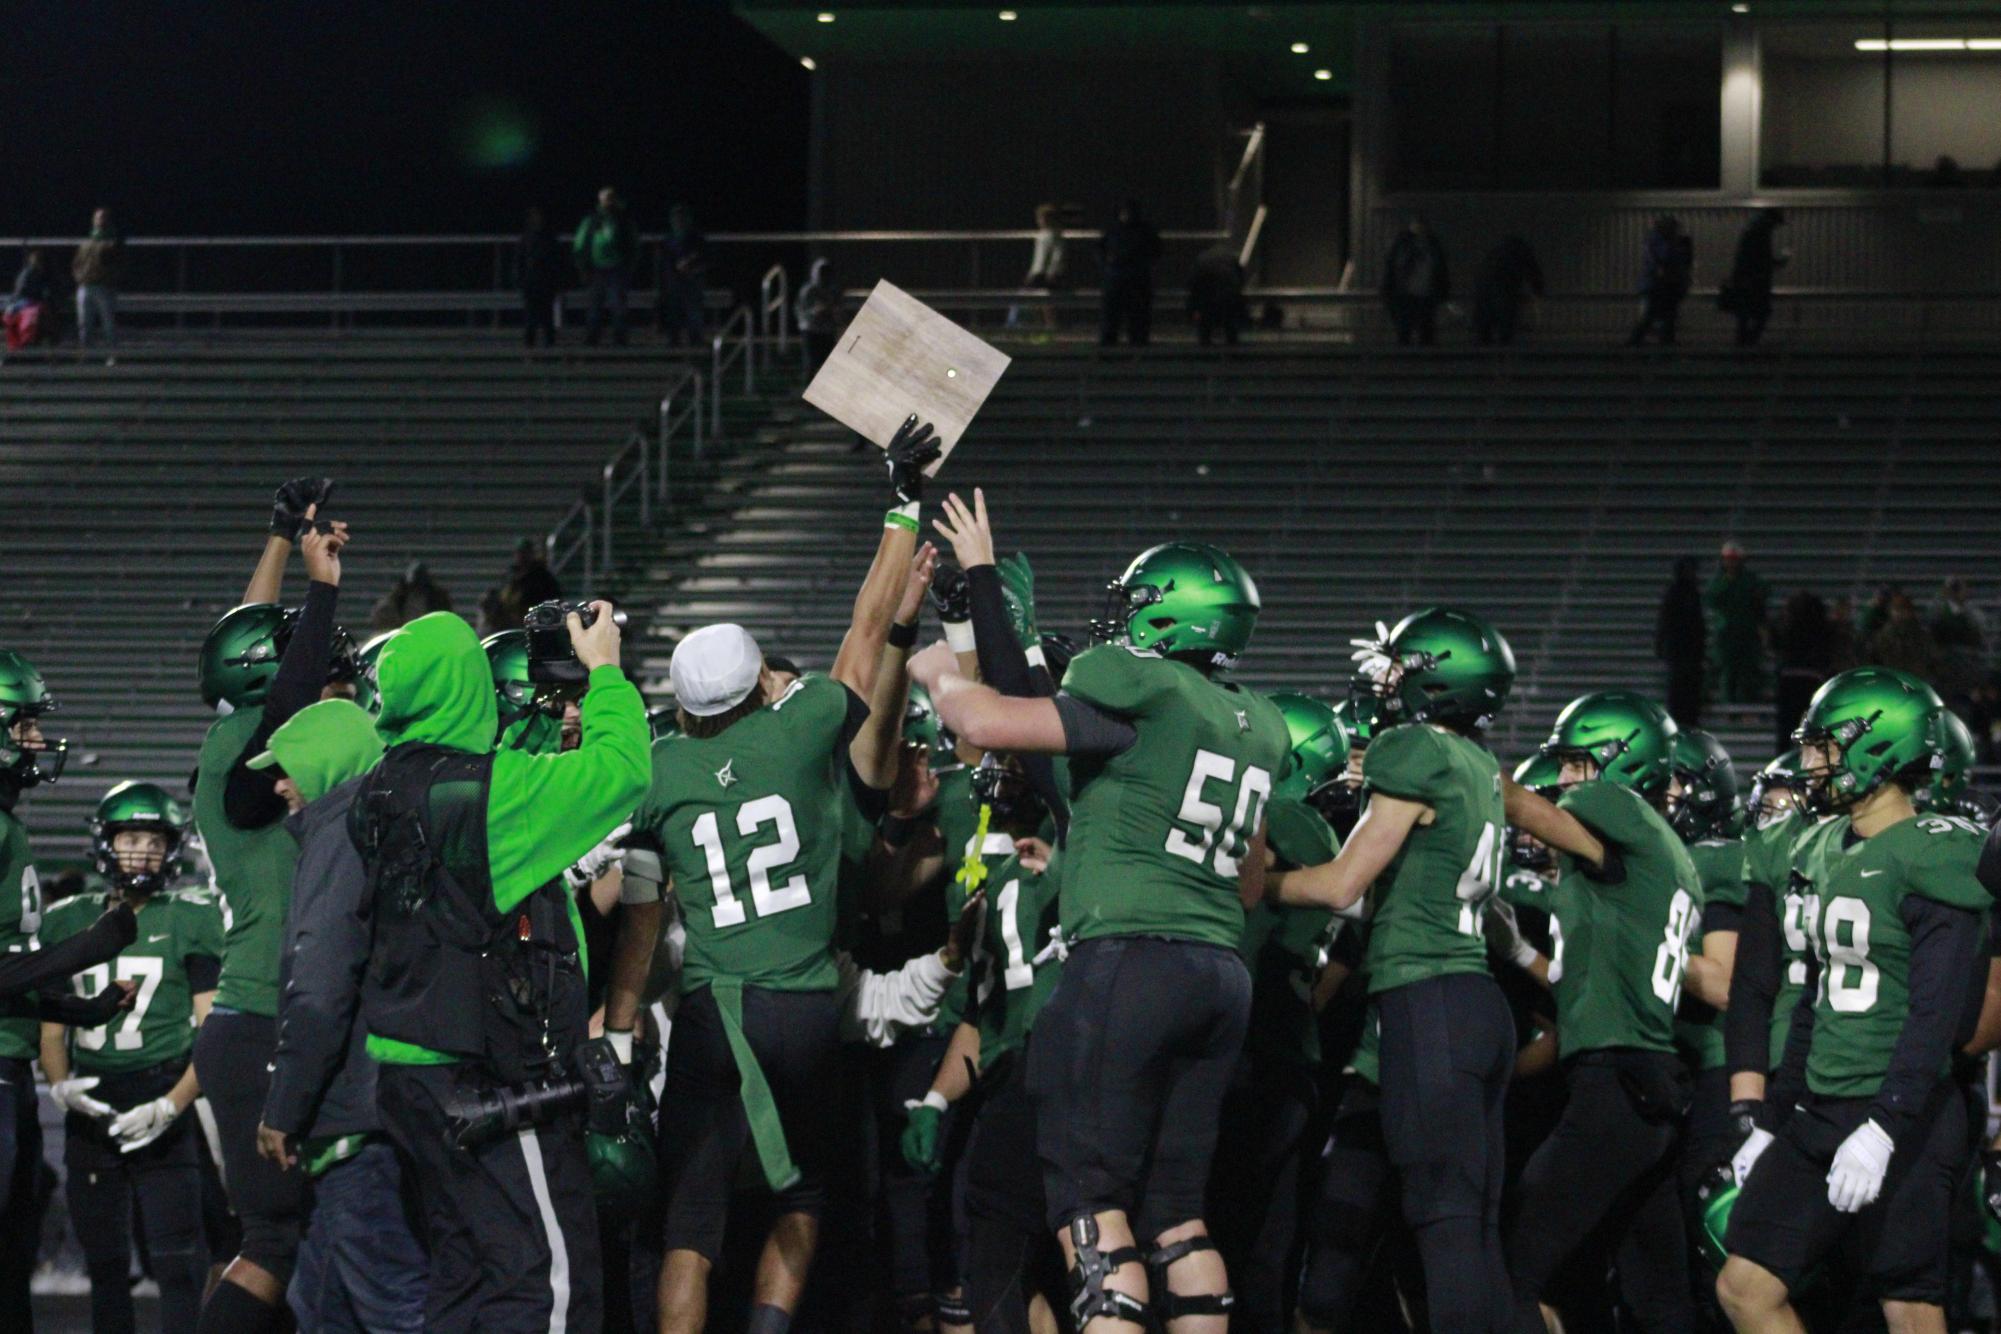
column 1554, row 106
column 1862, row 105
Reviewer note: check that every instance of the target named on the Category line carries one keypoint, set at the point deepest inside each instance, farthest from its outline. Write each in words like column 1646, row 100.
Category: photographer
column 474, row 994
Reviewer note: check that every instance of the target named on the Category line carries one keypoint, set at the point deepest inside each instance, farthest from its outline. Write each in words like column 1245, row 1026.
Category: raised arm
column 1550, row 824
column 291, row 512
column 982, row 715
column 873, row 752
column 1340, row 884
column 913, row 448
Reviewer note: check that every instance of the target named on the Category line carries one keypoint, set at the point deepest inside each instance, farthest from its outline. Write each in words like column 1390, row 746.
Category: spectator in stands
column 1666, row 263
column 414, row 594
column 818, row 307
column 1509, row 277
column 1876, row 613
column 97, row 267
column 1903, row 642
column 529, row 581
column 1045, row 266
column 539, row 266
column 1841, row 653
column 27, row 308
column 684, row 263
column 1736, row 601
column 1960, row 631
column 1415, row 283
column 1802, row 644
column 1681, row 639
column 1128, row 251
column 1748, row 292
column 606, row 248
column 1216, row 294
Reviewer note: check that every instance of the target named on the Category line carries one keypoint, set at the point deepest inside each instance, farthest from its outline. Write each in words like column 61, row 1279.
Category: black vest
column 448, row 970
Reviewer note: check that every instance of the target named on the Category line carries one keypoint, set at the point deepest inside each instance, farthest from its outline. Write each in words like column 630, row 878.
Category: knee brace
column 1090, row 1299
column 1173, row 1305
column 271, row 1242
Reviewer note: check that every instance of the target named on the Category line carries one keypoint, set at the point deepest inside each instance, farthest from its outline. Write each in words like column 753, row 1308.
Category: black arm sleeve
column 52, row 967
column 249, row 800
column 1945, row 949
column 1788, row 1082
column 872, row 802
column 1089, row 730
column 1005, row 667
column 204, row 971
column 1754, row 982
column 1721, row 917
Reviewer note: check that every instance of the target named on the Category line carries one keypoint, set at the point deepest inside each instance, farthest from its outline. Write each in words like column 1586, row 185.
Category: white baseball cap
column 715, row 669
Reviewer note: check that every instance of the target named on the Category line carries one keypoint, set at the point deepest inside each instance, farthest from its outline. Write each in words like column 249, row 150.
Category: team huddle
column 1039, row 988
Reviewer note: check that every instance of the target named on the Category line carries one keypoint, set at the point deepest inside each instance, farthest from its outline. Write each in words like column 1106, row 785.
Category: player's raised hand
column 320, row 547
column 923, row 567
column 916, row 787
column 912, row 449
column 932, row 663
column 967, row 529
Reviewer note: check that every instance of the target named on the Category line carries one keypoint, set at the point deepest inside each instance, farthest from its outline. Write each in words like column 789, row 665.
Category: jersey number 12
column 750, row 817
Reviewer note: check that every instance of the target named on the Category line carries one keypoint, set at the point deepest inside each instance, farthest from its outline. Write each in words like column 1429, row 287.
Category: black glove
column 288, row 507
column 1990, row 1180
column 1749, row 1114
column 952, row 595
column 911, row 450
column 607, row 1086
column 82, row 1012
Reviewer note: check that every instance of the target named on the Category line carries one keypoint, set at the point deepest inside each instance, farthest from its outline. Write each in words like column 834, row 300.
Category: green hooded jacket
column 543, row 812
column 325, row 744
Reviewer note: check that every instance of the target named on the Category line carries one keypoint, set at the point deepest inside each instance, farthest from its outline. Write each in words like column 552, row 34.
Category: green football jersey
column 1022, row 912
column 20, row 919
column 1768, row 861
column 1719, row 865
column 1156, row 831
column 748, row 824
column 1620, row 949
column 1855, row 890
column 174, row 927
column 1285, row 948
column 253, row 869
column 1429, row 901
column 958, row 826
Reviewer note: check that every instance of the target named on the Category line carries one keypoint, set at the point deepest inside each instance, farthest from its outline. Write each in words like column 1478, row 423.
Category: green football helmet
column 1626, row 735
column 523, row 724
column 1880, row 719
column 923, row 726
column 1357, row 716
column 1439, row 665
column 1715, row 1199
column 1319, row 753
column 240, row 655
column 148, row 808
column 1540, row 774
column 1181, row 598
column 366, row 693
column 1774, row 789
column 1707, row 806
column 1953, row 757
column 24, row 698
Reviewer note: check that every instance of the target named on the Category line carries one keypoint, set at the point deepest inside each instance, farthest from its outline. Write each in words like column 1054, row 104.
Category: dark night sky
column 424, row 115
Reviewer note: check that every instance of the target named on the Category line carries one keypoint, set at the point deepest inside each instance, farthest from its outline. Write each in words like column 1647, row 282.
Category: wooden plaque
column 899, row 356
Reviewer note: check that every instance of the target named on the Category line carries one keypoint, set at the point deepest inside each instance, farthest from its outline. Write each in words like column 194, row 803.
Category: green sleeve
column 1299, row 835
column 1408, row 762
column 1939, row 865
column 1114, row 679
column 545, row 811
column 1613, row 813
column 583, row 241
column 67, row 918
column 649, row 820
column 202, row 924
column 825, row 702
column 1721, row 868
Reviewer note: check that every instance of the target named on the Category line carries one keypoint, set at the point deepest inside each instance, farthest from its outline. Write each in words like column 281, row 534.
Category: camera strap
column 767, row 1134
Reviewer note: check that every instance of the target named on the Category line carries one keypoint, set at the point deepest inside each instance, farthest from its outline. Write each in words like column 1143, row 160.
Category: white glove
column 1856, row 1178
column 144, row 1124
column 1504, row 933
column 73, row 1095
column 1371, row 656
column 599, row 859
column 1748, row 1153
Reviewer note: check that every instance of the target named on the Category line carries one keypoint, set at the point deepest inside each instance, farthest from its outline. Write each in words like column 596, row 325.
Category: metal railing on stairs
column 735, row 342
column 774, row 313
column 634, row 479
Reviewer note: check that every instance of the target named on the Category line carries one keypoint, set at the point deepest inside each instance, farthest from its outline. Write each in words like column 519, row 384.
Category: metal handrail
column 721, row 361
column 557, row 550
column 774, row 312
column 1251, row 240
column 646, row 238
column 676, row 407
column 591, row 531
column 615, row 490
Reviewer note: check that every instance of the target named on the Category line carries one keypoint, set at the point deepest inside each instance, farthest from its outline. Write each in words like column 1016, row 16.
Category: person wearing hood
column 358, row 1267
column 475, row 977
column 818, row 307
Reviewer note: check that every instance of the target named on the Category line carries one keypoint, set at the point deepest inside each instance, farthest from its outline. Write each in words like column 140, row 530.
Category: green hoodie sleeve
column 545, row 811
column 582, row 244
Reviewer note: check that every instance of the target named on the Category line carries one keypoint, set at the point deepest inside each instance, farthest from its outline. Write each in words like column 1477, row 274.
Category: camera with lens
column 476, row 1116
column 552, row 660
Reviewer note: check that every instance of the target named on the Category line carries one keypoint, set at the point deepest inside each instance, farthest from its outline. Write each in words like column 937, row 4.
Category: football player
column 125, row 1086
column 259, row 666
column 1171, row 767
column 1949, row 792
column 1276, row 1087
column 744, row 819
column 1894, row 914
column 1432, row 840
column 1625, row 903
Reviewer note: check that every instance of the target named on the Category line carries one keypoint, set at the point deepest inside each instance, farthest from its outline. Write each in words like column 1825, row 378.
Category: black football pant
column 1357, row 1208
column 511, row 1225
column 917, row 1222
column 233, row 1061
column 1010, row 1255
column 1254, row 1190
column 20, row 1191
column 163, row 1180
column 1609, row 1166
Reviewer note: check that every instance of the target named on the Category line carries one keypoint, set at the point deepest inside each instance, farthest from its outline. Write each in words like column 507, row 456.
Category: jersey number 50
column 1207, row 819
